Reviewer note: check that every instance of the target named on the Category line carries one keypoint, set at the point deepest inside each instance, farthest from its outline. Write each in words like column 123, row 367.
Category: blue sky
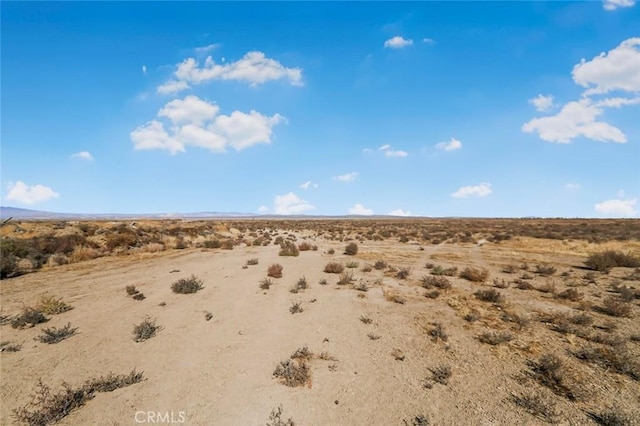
column 493, row 109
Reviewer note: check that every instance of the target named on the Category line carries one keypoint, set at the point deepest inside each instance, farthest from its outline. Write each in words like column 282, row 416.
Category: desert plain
column 365, row 322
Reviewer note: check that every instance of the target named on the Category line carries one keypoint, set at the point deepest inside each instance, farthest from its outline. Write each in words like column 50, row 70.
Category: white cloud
column 428, row 40
column 254, row 68
column 572, row 186
column 399, row 212
column 388, row 151
column 542, row 103
column 290, row 204
column 206, row 49
column 452, row 145
column 367, row 150
column 481, row 190
column 308, row 184
column 144, row 69
column 398, row 42
column 263, row 209
column 615, row 4
column 576, row 118
column 617, row 102
column 25, row 194
column 615, row 70
column 172, row 86
column 84, row 155
column 189, row 110
column 617, row 208
column 395, row 153
column 348, row 177
column 195, row 122
column 360, row 210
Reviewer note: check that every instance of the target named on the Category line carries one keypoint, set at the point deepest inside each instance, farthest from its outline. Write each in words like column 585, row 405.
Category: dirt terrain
column 529, row 335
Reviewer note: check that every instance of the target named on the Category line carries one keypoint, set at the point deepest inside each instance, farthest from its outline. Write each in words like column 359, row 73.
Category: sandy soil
column 220, row 372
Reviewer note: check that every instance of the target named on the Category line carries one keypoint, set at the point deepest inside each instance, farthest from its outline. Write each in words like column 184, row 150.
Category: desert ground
column 372, row 322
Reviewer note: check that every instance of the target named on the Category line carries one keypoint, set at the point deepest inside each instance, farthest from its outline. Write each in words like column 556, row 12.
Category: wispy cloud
column 481, row 190
column 572, row 186
column 400, row 212
column 348, row 177
column 308, row 184
column 206, row 49
column 616, row 4
column 398, row 42
column 144, row 69
column 452, row 145
column 83, row 155
column 22, row 193
column 254, row 68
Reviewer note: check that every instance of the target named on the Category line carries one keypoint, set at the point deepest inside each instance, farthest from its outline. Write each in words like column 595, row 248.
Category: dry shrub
column 266, row 283
column 439, row 270
column 333, row 268
column 252, row 261
column 346, row 278
column 82, row 253
column 275, row 418
column 522, row 284
column 54, row 335
column 131, row 290
column 570, row 294
column 474, row 274
column 295, row 370
column 145, row 330
column 47, row 407
column 441, row 374
column 275, row 271
column 288, row 249
column 296, row 308
column 51, row 306
column 619, row 359
column 545, row 270
column 615, row 307
column 28, row 317
column 403, row 273
column 187, row 285
column 537, row 406
column 380, row 265
column 490, row 295
column 441, row 282
column 393, row 296
column 548, row 287
column 494, row 338
column 304, row 246
column 606, row 260
column 9, row 347
column 438, row 333
column 351, row 249
column 549, row 371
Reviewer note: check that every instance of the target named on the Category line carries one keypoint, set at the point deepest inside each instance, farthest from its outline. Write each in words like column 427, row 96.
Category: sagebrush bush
column 608, row 259
column 333, row 268
column 489, row 295
column 187, row 285
column 288, row 249
column 145, row 330
column 28, row 317
column 474, row 274
column 54, row 335
column 275, row 271
column 351, row 249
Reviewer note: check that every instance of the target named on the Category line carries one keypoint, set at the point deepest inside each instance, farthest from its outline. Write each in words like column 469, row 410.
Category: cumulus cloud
column 290, row 203
column 194, row 122
column 617, row 208
column 481, row 190
column 29, row 194
column 577, row 118
column 615, row 4
column 308, row 184
column 542, row 103
column 360, row 210
column 452, row 145
column 614, row 70
column 399, row 212
column 253, row 68
column 398, row 42
column 348, row 177
column 83, row 155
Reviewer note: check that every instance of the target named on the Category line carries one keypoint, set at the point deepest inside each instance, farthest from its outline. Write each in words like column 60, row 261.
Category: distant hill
column 23, row 214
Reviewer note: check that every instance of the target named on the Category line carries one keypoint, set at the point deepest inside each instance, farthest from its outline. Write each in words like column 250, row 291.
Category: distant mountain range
column 17, row 213
column 27, row 214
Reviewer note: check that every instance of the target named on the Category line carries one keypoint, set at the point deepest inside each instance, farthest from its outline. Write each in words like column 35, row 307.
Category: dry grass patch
column 537, row 406
column 474, row 274
column 393, row 296
column 495, row 338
